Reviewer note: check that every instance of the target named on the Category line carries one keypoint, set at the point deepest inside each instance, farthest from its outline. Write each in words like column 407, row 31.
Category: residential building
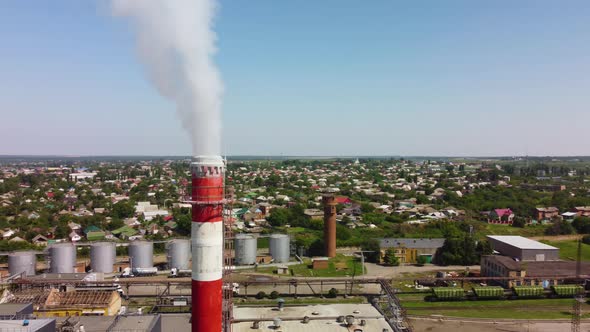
column 501, row 216
column 582, row 211
column 547, row 213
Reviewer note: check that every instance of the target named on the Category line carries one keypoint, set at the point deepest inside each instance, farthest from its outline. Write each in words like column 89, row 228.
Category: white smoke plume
column 176, row 42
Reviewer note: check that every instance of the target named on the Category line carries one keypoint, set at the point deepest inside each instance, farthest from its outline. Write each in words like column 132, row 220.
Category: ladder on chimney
column 228, row 289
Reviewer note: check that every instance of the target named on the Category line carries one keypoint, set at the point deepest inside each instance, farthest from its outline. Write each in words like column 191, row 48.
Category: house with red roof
column 501, row 216
column 343, row 200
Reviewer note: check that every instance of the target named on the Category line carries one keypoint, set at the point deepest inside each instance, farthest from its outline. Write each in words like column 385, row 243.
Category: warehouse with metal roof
column 523, row 249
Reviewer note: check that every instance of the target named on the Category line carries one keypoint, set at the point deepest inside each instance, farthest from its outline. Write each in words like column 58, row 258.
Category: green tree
column 560, row 227
column 183, row 224
column 371, row 245
column 460, row 250
column 389, row 258
column 519, row 222
column 421, row 260
column 123, row 209
column 332, row 293
column 582, row 225
column 279, row 217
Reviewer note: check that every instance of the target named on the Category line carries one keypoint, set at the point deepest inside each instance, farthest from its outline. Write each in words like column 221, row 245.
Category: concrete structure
column 34, row 325
column 207, row 242
column 280, row 248
column 62, row 258
column 329, row 225
column 363, row 317
column 19, row 310
column 23, row 261
column 407, row 250
column 245, row 247
column 141, row 323
column 320, row 263
column 141, row 254
column 102, row 257
column 178, row 254
column 522, row 248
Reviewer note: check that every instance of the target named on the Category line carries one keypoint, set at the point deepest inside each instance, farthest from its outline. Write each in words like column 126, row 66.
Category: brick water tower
column 329, row 225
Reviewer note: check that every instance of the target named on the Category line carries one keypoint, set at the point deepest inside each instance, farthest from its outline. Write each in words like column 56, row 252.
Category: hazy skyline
column 310, row 78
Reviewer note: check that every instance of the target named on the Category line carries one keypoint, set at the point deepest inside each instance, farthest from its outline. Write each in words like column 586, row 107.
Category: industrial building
column 517, row 257
column 16, row 309
column 548, row 273
column 122, row 323
column 53, row 303
column 32, row 325
column 325, row 318
column 523, row 249
column 408, row 250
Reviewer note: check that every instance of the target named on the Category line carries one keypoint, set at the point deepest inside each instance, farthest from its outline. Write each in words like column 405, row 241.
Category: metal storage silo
column 141, row 254
column 62, row 258
column 280, row 248
column 23, row 261
column 102, row 257
column 245, row 247
column 178, row 254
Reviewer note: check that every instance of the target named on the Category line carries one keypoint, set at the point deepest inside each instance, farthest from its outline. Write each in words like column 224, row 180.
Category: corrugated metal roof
column 521, row 242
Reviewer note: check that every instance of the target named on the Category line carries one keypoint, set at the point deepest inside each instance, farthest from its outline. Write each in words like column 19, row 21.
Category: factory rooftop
column 138, row 323
column 321, row 318
column 34, row 325
column 15, row 309
column 520, row 242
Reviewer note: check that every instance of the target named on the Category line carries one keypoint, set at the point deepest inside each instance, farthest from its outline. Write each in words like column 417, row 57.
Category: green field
column 528, row 231
column 509, row 309
column 568, row 249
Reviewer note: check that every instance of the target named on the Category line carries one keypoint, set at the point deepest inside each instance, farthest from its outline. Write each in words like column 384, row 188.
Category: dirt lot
column 448, row 325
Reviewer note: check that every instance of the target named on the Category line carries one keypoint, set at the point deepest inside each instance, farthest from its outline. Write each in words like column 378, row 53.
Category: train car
column 567, row 290
column 488, row 292
column 528, row 292
column 446, row 294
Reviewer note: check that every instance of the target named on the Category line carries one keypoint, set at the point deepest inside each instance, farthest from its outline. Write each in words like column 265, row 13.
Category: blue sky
column 310, row 78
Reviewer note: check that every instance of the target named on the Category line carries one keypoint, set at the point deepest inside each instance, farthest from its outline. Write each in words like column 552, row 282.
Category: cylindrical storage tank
column 23, row 261
column 62, row 258
column 179, row 254
column 245, row 247
column 280, row 248
column 141, row 254
column 102, row 257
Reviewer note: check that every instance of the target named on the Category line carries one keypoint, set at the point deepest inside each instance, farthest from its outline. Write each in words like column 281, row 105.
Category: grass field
column 494, row 229
column 509, row 309
column 568, row 249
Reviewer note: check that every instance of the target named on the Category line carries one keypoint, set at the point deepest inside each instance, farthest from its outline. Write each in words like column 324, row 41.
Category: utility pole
column 579, row 297
column 362, row 252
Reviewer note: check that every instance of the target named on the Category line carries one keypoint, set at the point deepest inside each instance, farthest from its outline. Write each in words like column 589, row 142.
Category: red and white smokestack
column 207, row 242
